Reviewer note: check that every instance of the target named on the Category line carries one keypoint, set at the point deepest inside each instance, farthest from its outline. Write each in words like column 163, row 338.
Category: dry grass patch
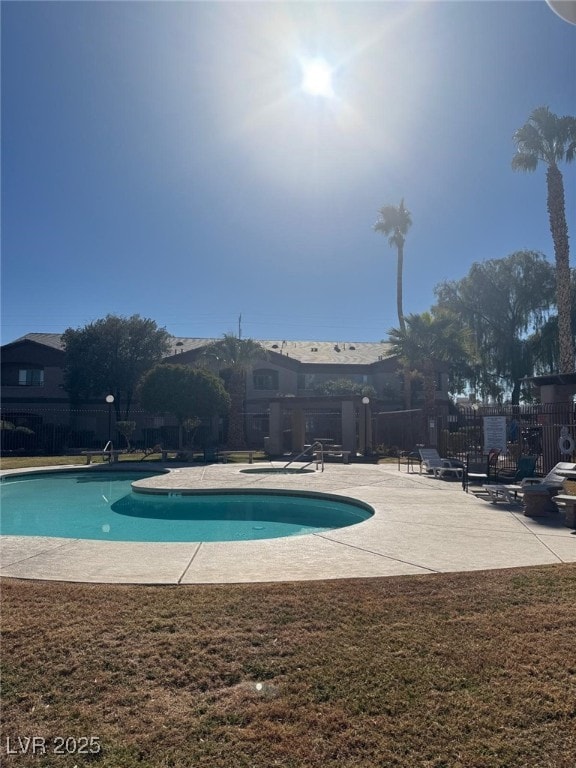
column 473, row 670
column 28, row 462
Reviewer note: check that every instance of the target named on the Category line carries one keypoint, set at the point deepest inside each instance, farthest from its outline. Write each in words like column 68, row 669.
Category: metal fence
column 530, row 429
column 60, row 430
column 534, row 430
column 395, row 431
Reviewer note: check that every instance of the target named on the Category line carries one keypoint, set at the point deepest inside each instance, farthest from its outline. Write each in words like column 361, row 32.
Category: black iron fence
column 52, row 430
column 395, row 431
column 546, row 431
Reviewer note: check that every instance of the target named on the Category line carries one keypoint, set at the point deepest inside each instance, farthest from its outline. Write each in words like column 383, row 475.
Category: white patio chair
column 432, row 463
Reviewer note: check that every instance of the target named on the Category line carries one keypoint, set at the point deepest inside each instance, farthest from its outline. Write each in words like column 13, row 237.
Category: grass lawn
column 473, row 670
column 23, row 462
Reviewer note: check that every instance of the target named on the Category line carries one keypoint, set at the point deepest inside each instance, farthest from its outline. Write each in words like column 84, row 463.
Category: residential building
column 291, row 377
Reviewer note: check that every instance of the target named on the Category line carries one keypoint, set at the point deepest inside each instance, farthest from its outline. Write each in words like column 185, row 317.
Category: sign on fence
column 494, row 433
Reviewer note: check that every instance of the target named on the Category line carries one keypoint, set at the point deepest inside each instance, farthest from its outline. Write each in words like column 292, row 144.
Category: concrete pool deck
column 421, row 525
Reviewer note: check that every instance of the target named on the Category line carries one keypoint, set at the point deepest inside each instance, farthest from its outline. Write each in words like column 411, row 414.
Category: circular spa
column 105, row 506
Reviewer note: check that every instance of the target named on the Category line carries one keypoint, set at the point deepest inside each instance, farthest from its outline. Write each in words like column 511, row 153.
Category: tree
column 427, row 339
column 126, row 429
column 186, row 393
column 550, row 139
column 394, row 222
column 110, row 356
column 233, row 357
column 500, row 303
column 343, row 387
column 544, row 341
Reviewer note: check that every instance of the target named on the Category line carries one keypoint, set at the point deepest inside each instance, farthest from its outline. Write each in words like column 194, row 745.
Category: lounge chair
column 480, row 469
column 432, row 463
column 513, row 492
column 525, row 467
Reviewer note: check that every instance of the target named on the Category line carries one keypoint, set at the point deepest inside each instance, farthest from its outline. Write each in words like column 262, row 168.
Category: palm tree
column 426, row 339
column 233, row 357
column 394, row 222
column 550, row 139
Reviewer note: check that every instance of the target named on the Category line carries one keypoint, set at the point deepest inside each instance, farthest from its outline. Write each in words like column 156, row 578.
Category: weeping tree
column 501, row 303
column 544, row 341
column 233, row 357
column 549, row 139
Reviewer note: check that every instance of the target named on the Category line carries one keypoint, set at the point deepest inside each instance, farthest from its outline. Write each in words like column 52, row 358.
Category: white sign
column 494, row 433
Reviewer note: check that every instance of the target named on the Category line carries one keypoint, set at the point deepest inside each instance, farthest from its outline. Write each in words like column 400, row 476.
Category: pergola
column 355, row 422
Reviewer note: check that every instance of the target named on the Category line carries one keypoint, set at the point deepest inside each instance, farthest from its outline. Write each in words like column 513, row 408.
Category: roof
column 331, row 352
column 321, row 352
column 53, row 340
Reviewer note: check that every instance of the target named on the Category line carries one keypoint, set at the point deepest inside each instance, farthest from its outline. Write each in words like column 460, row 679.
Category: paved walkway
column 420, row 525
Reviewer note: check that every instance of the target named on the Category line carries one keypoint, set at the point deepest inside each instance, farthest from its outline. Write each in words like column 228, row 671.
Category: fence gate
column 401, row 430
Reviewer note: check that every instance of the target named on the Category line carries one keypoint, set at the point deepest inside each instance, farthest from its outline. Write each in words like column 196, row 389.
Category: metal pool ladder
column 317, row 450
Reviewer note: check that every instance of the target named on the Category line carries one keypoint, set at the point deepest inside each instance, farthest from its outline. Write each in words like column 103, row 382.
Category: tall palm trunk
column 409, row 376
column 395, row 221
column 559, row 230
column 399, row 288
column 429, row 386
column 236, row 440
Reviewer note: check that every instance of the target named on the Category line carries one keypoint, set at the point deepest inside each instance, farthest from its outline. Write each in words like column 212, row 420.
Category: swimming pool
column 103, row 506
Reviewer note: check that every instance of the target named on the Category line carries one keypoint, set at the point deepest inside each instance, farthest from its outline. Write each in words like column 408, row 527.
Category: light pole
column 365, row 403
column 110, row 400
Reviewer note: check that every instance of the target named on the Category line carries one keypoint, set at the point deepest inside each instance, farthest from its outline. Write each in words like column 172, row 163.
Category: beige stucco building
column 287, row 400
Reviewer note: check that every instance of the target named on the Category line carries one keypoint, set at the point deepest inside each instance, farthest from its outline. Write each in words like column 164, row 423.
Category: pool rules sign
column 494, row 433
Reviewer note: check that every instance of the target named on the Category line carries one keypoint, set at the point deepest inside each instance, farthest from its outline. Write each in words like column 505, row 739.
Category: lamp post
column 110, row 400
column 365, row 403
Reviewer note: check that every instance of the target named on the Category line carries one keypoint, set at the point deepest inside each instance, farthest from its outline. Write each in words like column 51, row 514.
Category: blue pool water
column 90, row 505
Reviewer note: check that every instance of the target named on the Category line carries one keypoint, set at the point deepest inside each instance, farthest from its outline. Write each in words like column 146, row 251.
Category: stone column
column 298, row 424
column 275, row 447
column 348, row 416
column 365, row 429
column 557, row 413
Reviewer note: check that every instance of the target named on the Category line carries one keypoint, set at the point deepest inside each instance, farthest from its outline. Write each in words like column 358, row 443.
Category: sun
column 317, row 78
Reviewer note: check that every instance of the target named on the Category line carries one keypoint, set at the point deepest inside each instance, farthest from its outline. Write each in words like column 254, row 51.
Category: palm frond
column 569, row 125
column 394, row 221
column 523, row 161
column 545, row 137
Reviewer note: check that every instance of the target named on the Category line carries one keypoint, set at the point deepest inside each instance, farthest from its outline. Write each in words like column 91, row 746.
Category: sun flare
column 317, row 78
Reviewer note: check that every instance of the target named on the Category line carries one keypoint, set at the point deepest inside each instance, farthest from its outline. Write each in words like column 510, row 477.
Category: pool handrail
column 316, row 446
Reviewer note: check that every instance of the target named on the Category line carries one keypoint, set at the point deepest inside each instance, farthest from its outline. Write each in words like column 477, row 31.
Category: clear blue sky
column 160, row 158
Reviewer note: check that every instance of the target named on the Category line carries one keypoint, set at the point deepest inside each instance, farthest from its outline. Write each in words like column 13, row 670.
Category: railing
column 108, row 447
column 315, row 447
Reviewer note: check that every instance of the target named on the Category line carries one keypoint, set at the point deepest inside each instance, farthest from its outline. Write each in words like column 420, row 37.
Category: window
column 265, row 378
column 31, row 377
